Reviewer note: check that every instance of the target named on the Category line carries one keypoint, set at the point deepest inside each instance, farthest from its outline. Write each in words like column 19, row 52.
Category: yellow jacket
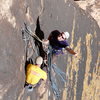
column 34, row 74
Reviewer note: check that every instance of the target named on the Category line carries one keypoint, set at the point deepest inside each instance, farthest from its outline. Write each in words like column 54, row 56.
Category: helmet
column 39, row 60
column 67, row 34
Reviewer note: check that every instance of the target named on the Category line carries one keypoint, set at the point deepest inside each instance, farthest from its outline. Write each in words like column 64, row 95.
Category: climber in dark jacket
column 58, row 42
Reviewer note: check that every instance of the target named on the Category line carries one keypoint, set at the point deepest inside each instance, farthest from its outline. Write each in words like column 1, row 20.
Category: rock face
column 83, row 71
column 92, row 7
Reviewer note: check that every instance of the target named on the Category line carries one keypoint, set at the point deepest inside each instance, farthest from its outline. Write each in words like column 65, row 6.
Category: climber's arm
column 70, row 50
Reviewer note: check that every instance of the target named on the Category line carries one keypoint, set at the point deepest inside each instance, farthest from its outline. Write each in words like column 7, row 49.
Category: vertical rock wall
column 83, row 71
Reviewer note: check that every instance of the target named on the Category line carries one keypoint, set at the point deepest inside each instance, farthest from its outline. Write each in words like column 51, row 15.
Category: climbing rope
column 28, row 30
column 26, row 39
column 52, row 78
column 27, row 36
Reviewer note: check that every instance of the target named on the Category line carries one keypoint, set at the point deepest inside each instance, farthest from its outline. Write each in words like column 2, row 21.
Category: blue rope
column 60, row 73
column 57, row 71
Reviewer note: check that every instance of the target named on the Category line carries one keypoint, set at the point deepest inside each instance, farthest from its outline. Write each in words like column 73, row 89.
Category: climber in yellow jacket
column 34, row 73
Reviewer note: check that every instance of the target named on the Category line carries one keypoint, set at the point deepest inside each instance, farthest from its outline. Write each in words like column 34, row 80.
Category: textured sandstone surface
column 83, row 71
column 92, row 7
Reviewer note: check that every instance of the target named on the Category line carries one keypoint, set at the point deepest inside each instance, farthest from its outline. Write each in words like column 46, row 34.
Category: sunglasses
column 61, row 35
